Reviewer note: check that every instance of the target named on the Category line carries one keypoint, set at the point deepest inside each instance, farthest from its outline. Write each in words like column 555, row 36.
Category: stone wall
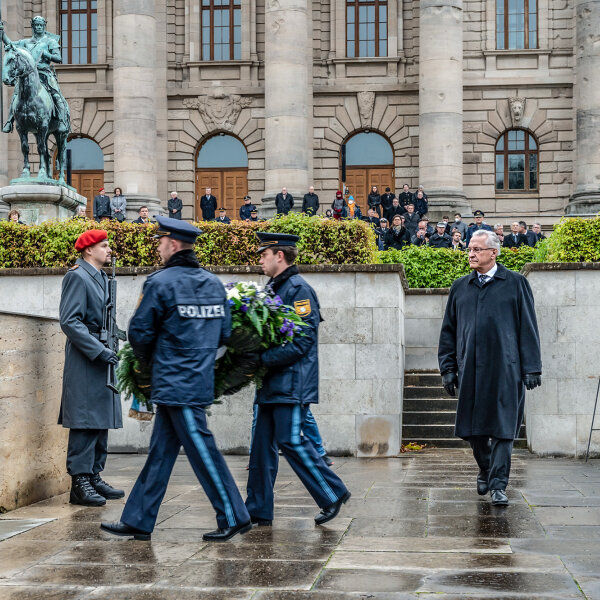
column 32, row 446
column 361, row 354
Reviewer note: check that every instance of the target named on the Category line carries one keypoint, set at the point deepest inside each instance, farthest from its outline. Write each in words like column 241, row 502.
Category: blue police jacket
column 181, row 320
column 293, row 368
column 471, row 230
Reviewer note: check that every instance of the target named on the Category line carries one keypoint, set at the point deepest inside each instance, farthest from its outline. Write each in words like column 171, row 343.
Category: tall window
column 517, row 161
column 79, row 31
column 516, row 24
column 366, row 28
column 221, row 30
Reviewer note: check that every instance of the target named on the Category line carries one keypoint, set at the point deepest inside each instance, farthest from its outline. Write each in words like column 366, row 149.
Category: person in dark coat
column 208, row 205
column 396, row 209
column 374, row 200
column 290, row 385
column 246, row 208
column 88, row 409
column 529, row 235
column 457, row 243
column 460, row 225
column 284, row 202
column 440, row 239
column 515, row 239
column 223, row 218
column 411, row 219
column 397, row 236
column 101, row 206
column 310, row 202
column 489, row 349
column 253, row 216
column 478, row 225
column 387, row 200
column 174, row 206
column 537, row 230
column 421, row 204
column 381, row 233
column 143, row 218
column 422, row 235
column 181, row 320
column 406, row 196
column 372, row 218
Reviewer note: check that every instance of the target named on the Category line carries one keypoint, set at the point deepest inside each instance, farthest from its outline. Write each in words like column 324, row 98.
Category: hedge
column 51, row 244
column 574, row 240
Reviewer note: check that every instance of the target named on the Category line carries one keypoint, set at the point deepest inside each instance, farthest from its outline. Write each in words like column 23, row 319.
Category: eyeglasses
column 478, row 250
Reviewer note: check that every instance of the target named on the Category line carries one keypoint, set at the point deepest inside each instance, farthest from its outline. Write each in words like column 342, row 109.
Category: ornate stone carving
column 219, row 110
column 366, row 102
column 517, row 109
column 76, row 105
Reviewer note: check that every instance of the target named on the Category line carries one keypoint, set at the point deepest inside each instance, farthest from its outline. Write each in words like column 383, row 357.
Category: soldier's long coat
column 490, row 338
column 86, row 401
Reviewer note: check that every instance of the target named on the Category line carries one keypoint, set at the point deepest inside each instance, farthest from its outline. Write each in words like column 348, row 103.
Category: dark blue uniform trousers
column 493, row 456
column 86, row 451
column 278, row 426
column 176, row 426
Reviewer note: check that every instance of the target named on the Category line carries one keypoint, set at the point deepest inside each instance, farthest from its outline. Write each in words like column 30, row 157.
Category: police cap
column 478, row 213
column 275, row 240
column 177, row 230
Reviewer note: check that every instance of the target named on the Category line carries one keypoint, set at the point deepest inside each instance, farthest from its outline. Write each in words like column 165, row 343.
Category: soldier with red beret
column 88, row 408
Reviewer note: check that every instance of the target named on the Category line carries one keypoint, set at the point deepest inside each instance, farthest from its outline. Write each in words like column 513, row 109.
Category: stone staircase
column 429, row 413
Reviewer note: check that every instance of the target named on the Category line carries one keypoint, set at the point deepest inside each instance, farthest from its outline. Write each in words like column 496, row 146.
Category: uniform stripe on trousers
column 190, row 422
column 296, row 424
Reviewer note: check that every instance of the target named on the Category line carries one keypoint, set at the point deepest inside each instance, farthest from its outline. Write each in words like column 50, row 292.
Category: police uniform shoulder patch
column 74, row 267
column 302, row 308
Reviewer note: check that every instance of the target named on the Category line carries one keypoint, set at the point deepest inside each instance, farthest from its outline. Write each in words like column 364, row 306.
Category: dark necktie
column 483, row 278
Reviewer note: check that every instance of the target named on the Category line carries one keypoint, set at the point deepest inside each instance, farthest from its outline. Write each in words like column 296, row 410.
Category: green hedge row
column 51, row 244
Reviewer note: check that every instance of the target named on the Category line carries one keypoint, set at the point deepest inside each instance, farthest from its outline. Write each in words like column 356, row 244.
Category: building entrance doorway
column 222, row 165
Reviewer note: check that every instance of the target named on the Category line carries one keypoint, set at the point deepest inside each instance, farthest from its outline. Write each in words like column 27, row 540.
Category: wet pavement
column 414, row 528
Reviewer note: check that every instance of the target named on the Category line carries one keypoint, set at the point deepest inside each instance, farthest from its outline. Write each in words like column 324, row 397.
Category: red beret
column 89, row 238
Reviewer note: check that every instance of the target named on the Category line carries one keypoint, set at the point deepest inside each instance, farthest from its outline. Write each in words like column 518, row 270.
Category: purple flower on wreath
column 244, row 308
column 277, row 301
column 231, row 302
column 230, row 285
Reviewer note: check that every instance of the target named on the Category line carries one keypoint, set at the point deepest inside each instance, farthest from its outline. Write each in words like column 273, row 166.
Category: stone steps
column 429, row 413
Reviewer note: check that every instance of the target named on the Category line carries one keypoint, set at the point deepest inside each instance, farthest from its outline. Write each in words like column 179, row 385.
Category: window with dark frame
column 366, row 28
column 516, row 24
column 517, row 160
column 79, row 31
column 221, row 30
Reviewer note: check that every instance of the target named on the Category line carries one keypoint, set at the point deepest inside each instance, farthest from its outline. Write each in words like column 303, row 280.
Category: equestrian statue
column 37, row 104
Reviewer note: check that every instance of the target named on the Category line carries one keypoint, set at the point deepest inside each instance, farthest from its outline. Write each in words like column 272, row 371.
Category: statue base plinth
column 39, row 201
column 584, row 204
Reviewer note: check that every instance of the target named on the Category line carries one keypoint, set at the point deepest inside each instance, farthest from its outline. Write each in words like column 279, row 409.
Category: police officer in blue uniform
column 181, row 320
column 289, row 387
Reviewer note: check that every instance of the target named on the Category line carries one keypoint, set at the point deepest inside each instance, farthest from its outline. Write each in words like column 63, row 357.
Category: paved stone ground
column 414, row 528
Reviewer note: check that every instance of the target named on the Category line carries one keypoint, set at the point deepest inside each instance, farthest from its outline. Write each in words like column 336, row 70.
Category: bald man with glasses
column 489, row 351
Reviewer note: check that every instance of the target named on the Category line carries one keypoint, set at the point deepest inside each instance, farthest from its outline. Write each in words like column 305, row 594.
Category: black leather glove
column 108, row 356
column 532, row 380
column 450, row 383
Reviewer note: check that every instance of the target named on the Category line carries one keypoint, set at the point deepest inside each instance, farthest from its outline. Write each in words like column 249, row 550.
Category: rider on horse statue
column 45, row 49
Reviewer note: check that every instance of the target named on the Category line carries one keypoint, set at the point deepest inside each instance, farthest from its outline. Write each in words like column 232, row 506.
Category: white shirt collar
column 491, row 272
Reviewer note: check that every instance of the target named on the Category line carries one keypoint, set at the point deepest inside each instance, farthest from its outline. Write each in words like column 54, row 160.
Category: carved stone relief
column 517, row 109
column 219, row 110
column 366, row 102
column 76, row 108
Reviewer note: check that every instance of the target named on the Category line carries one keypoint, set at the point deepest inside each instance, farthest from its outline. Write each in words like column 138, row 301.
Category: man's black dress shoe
column 104, row 489
column 499, row 498
column 332, row 511
column 222, row 535
column 261, row 522
column 327, row 460
column 482, row 483
column 123, row 530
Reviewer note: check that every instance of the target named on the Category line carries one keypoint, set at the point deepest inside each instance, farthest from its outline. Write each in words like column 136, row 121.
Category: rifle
column 110, row 333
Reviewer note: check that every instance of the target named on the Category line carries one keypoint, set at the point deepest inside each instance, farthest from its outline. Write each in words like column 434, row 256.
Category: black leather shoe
column 482, row 483
column 499, row 498
column 332, row 511
column 222, row 535
column 83, row 493
column 261, row 522
column 104, row 489
column 327, row 460
column 123, row 530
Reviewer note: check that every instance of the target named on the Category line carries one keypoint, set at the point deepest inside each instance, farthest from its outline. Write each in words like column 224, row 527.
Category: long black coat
column 86, row 402
column 208, row 206
column 490, row 338
column 284, row 205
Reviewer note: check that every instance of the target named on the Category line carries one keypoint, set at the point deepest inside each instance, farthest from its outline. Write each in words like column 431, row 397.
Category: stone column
column 288, row 99
column 134, row 85
column 586, row 99
column 440, row 105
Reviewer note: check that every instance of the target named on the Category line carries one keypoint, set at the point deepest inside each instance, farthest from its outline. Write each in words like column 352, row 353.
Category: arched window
column 368, row 149
column 222, row 151
column 79, row 31
column 86, row 155
column 517, row 161
column 221, row 31
column 516, row 24
column 366, row 28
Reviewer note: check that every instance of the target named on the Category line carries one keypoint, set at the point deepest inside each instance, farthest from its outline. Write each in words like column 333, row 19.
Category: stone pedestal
column 440, row 105
column 134, row 84
column 288, row 97
column 39, row 203
column 586, row 197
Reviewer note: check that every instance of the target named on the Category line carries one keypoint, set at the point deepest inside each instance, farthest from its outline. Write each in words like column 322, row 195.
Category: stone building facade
column 440, row 93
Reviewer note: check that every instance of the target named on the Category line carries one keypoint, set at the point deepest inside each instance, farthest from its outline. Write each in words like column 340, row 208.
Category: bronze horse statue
column 35, row 113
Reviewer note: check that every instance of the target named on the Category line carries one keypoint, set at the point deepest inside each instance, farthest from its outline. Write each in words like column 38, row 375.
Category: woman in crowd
column 374, row 200
column 15, row 217
column 353, row 211
column 118, row 205
column 339, row 206
column 397, row 237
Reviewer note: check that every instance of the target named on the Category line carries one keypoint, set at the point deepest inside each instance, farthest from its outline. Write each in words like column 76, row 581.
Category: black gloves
column 450, row 383
column 532, row 380
column 108, row 356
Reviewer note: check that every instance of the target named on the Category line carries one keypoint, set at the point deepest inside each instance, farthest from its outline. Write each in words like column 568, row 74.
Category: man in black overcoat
column 516, row 239
column 310, row 202
column 284, row 202
column 101, row 206
column 174, row 206
column 490, row 350
column 208, row 205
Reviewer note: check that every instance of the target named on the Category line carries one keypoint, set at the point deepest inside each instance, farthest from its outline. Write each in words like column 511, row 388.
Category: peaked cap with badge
column 275, row 240
column 177, row 230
